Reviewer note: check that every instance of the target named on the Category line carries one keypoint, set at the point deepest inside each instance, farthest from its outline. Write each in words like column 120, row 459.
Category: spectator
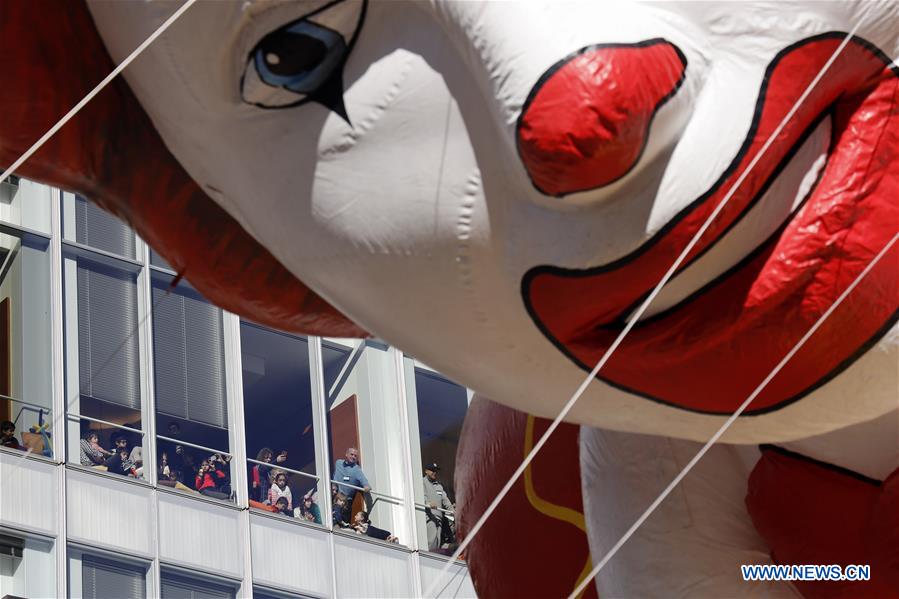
column 437, row 504
column 121, row 442
column 280, row 489
column 8, row 435
column 179, row 458
column 259, row 476
column 338, row 509
column 137, row 458
column 363, row 526
column 308, row 509
column 92, row 453
column 166, row 475
column 348, row 472
column 211, row 480
column 120, row 464
column 282, row 505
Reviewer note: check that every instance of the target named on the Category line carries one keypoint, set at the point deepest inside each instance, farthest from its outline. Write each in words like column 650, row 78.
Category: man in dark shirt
column 119, row 462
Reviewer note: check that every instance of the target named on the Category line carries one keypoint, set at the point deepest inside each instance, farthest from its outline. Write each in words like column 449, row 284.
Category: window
column 103, row 384
column 179, row 586
column 102, row 578
column 277, row 394
column 365, row 436
column 437, row 408
column 159, row 261
column 87, row 224
column 26, row 204
column 191, row 400
column 25, row 341
column 27, row 567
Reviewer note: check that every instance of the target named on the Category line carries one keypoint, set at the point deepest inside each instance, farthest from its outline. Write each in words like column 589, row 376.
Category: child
column 8, row 435
column 363, row 526
column 282, row 506
column 280, row 489
column 338, row 506
column 120, row 463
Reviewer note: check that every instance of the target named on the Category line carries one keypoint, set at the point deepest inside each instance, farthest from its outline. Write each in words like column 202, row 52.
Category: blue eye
column 303, row 60
column 300, row 57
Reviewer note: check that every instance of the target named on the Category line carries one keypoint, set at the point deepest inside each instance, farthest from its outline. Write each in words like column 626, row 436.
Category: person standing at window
column 435, row 501
column 348, row 472
column 259, row 476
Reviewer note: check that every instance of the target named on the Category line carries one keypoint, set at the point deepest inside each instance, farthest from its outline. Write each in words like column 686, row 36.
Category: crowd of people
column 118, row 459
column 348, row 480
column 269, row 487
column 268, row 483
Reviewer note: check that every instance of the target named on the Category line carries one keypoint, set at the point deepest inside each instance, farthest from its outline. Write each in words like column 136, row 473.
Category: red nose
column 585, row 123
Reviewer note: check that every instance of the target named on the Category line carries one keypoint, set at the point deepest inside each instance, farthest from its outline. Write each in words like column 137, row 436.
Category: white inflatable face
column 493, row 187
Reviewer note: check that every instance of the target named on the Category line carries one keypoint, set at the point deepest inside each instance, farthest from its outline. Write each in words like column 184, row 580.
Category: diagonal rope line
column 450, row 581
column 65, row 119
column 90, row 95
column 733, row 418
column 637, row 315
column 461, row 582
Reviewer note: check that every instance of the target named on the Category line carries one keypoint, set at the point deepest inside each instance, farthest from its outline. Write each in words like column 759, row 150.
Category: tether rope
column 90, row 95
column 627, row 535
column 65, row 119
column 635, row 317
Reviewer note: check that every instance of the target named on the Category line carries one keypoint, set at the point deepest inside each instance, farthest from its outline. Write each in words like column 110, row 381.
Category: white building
column 93, row 340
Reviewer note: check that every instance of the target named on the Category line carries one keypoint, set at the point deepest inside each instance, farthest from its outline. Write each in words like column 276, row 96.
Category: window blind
column 105, row 579
column 101, row 230
column 108, row 360
column 180, row 587
column 188, row 351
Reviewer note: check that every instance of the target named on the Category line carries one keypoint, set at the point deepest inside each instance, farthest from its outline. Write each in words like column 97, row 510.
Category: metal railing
column 275, row 466
column 194, row 446
column 78, row 417
column 387, row 498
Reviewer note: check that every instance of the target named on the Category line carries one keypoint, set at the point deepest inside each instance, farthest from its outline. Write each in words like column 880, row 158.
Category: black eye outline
column 323, row 82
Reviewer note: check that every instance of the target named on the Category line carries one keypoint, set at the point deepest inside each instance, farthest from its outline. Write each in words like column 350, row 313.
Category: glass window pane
column 25, row 340
column 27, row 567
column 105, row 579
column 437, row 410
column 177, row 586
column 278, row 415
column 365, row 438
column 86, row 223
column 102, row 364
column 191, row 401
column 26, row 204
column 157, row 260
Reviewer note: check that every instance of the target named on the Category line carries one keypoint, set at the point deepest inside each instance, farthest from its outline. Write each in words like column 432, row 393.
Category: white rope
column 634, row 318
column 65, row 119
column 77, row 108
column 627, row 535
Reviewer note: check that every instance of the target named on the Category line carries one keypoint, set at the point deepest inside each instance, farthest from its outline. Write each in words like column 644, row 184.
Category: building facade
column 163, row 447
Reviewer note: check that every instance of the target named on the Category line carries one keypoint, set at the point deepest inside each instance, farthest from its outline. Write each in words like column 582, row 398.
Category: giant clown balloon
column 495, row 187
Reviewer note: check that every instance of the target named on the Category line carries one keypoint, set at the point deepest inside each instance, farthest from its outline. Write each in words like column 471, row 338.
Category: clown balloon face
column 496, row 187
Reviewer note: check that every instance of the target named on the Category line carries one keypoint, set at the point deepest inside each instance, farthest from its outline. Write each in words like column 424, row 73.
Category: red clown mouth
column 707, row 353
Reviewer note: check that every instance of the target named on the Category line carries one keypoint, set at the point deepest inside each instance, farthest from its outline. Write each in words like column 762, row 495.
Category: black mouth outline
column 620, row 319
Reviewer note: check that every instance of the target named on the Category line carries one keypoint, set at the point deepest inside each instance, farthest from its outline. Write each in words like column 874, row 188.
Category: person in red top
column 212, row 480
